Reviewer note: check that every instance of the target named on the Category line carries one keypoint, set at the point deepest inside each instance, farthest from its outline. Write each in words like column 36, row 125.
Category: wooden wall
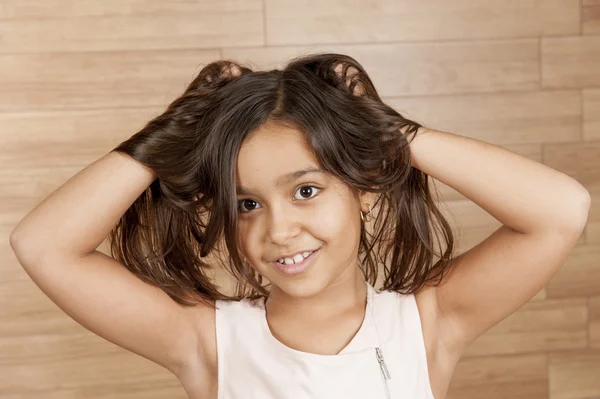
column 77, row 78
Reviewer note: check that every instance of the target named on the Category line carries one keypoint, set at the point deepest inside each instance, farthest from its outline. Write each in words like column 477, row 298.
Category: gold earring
column 366, row 217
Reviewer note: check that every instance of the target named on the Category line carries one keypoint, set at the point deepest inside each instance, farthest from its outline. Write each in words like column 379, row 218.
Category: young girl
column 309, row 191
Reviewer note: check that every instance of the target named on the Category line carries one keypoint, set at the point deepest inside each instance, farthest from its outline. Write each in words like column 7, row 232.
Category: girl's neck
column 347, row 294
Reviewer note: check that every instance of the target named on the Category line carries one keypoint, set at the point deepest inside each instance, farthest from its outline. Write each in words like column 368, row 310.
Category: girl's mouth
column 296, row 268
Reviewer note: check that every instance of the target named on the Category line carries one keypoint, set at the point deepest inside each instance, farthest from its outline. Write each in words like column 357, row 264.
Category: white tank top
column 253, row 364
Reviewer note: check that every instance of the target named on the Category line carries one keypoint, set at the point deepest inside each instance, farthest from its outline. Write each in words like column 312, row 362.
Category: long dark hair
column 190, row 210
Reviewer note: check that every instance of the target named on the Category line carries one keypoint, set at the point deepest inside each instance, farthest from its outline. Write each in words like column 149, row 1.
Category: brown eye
column 247, row 202
column 306, row 191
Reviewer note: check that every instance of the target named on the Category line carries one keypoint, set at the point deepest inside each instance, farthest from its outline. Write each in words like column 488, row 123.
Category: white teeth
column 296, row 259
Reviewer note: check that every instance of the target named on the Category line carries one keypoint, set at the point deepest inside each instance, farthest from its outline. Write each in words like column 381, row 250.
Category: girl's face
column 281, row 214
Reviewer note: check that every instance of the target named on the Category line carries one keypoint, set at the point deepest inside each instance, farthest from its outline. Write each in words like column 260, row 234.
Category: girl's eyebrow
column 289, row 177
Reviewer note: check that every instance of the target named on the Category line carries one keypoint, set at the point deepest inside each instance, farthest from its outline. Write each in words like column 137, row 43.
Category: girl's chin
column 302, row 288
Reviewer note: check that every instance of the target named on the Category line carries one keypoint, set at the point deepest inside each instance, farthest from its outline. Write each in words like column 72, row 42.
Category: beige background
column 78, row 77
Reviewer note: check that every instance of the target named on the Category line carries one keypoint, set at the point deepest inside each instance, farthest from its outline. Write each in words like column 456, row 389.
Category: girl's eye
column 249, row 202
column 307, row 192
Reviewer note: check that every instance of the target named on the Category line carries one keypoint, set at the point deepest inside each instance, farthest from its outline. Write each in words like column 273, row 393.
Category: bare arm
column 80, row 214
column 542, row 211
column 56, row 245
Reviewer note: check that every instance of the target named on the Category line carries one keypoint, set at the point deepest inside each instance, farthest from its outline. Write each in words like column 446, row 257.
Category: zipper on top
column 384, row 368
column 385, row 374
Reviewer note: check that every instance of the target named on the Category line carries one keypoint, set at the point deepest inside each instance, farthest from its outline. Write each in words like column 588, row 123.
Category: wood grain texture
column 309, row 21
column 590, row 17
column 571, row 61
column 77, row 78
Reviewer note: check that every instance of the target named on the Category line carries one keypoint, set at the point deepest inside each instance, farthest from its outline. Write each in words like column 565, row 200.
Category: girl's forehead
column 273, row 151
column 279, row 137
column 274, row 157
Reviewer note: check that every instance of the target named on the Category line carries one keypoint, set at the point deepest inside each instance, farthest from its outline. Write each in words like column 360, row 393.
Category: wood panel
column 113, row 25
column 308, row 22
column 571, row 61
column 590, row 17
column 408, row 69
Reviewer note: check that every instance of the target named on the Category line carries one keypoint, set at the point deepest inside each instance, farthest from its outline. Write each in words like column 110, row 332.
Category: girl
column 309, row 191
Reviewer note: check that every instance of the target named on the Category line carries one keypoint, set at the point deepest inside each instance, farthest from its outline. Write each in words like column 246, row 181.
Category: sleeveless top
column 386, row 359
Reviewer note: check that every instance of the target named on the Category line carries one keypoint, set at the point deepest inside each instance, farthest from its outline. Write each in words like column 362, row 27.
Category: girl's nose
column 283, row 226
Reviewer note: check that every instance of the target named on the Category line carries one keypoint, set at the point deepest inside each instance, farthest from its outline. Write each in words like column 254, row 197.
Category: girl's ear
column 369, row 198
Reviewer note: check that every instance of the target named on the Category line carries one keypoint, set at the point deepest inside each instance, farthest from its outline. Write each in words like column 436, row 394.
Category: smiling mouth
column 299, row 267
column 282, row 260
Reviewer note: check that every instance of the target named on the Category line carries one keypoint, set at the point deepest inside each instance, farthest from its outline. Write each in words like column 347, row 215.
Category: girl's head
column 225, row 153
column 289, row 204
